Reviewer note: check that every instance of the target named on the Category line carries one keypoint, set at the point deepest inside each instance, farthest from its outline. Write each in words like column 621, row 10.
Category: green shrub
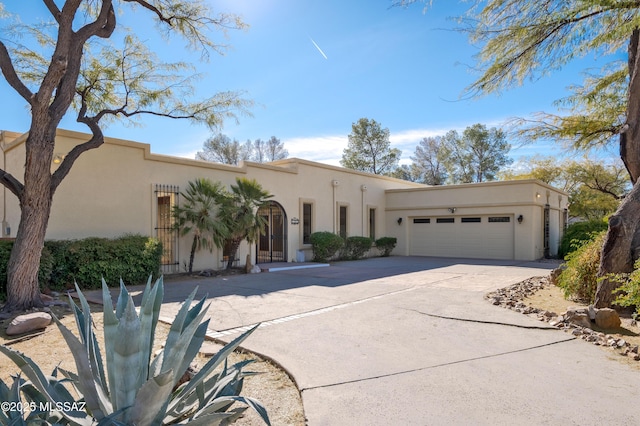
column 131, row 258
column 131, row 385
column 579, row 280
column 62, row 270
column 629, row 292
column 578, row 232
column 386, row 245
column 325, row 245
column 355, row 248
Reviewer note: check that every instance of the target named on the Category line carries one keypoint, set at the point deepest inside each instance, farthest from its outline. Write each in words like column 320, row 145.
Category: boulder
column 607, row 318
column 27, row 323
column 578, row 316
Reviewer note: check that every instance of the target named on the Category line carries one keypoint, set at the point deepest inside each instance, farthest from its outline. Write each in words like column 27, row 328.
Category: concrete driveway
column 411, row 341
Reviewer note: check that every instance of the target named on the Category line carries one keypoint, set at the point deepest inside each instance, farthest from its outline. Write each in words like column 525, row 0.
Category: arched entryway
column 272, row 245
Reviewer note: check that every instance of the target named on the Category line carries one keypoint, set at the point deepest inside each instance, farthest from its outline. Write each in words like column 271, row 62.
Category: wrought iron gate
column 166, row 199
column 272, row 245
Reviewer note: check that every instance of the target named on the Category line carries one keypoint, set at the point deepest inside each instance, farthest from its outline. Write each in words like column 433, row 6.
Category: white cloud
column 186, row 154
column 323, row 149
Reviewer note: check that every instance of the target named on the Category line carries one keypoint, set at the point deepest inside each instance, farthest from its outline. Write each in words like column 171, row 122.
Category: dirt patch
column 272, row 387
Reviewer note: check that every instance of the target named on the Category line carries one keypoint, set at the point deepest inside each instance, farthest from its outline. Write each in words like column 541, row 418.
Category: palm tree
column 199, row 214
column 240, row 213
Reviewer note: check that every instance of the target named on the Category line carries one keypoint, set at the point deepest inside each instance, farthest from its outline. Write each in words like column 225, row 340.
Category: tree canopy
column 221, row 149
column 369, row 149
column 595, row 188
column 429, row 161
column 81, row 59
column 475, row 156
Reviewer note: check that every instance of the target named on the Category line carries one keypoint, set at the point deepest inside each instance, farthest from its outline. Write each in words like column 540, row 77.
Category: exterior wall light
column 58, row 158
column 452, row 209
column 520, row 219
column 399, row 221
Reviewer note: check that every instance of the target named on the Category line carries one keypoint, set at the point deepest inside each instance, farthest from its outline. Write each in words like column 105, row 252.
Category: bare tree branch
column 12, row 184
column 11, row 76
column 53, row 8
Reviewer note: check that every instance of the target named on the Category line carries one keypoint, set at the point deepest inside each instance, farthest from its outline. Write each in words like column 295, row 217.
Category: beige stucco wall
column 511, row 198
column 110, row 192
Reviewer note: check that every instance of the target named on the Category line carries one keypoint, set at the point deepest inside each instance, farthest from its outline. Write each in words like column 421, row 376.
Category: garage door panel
column 477, row 237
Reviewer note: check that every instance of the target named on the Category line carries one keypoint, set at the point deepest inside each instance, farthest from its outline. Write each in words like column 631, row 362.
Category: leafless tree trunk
column 23, row 291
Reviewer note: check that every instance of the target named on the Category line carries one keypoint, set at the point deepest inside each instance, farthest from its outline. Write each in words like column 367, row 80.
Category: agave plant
column 133, row 387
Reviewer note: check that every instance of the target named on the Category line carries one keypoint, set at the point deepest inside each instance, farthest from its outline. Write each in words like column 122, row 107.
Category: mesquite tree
column 84, row 62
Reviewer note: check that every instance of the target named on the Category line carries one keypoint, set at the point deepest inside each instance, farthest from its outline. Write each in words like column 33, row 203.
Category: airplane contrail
column 318, row 47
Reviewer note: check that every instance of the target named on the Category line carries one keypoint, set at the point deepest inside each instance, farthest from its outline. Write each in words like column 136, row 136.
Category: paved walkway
column 411, row 341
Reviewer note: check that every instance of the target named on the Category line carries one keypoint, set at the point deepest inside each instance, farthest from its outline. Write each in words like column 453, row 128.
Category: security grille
column 272, row 244
column 547, row 209
column 167, row 199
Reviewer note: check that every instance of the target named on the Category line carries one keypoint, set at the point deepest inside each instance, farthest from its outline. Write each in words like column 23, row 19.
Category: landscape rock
column 578, row 316
column 592, row 313
column 577, row 320
column 27, row 323
column 255, row 270
column 607, row 318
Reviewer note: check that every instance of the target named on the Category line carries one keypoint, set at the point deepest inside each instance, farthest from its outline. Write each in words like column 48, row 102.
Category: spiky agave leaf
column 110, row 331
column 150, row 399
column 149, row 314
column 198, row 393
column 127, row 367
column 12, row 396
column 41, row 382
column 96, row 399
column 84, row 323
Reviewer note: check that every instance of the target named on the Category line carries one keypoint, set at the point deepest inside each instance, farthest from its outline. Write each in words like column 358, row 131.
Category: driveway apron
column 412, row 341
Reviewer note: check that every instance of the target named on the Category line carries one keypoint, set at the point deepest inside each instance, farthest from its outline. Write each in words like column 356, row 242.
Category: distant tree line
column 222, row 149
column 476, row 155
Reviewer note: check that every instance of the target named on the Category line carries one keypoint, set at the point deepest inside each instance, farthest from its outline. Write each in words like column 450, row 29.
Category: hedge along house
column 122, row 188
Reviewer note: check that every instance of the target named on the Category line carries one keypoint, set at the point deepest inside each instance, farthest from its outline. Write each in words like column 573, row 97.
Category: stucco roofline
column 288, row 165
column 298, row 161
column 14, row 139
column 480, row 185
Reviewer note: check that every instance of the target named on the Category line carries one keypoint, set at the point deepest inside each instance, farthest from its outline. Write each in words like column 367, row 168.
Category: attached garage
column 481, row 236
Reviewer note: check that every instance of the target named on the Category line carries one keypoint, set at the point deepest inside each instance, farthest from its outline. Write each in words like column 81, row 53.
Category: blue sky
column 315, row 67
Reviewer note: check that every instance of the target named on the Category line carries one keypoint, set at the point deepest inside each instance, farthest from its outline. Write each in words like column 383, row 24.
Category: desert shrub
column 577, row 233
column 386, row 245
column 629, row 292
column 61, row 277
column 131, row 258
column 579, row 280
column 355, row 248
column 325, row 245
column 141, row 388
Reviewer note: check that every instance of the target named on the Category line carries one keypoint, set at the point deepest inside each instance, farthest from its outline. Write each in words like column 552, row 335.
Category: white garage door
column 480, row 237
